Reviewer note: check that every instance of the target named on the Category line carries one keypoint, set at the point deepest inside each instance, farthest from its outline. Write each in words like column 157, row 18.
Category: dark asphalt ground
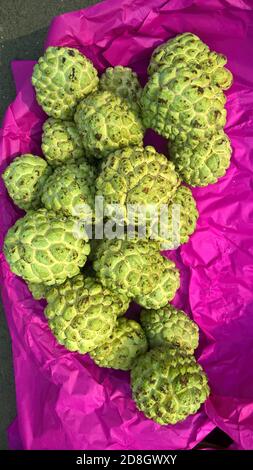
column 23, row 28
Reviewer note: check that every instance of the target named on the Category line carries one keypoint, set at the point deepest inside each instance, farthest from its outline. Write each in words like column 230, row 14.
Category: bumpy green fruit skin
column 126, row 342
column 136, row 269
column 168, row 385
column 82, row 314
column 71, row 189
column 62, row 77
column 187, row 48
column 170, row 327
column 61, row 142
column 184, row 102
column 42, row 248
column 136, row 176
column 178, row 52
column 176, row 222
column 202, row 163
column 164, row 290
column 76, row 285
column 24, row 179
column 106, row 124
column 178, row 101
column 123, row 82
column 38, row 291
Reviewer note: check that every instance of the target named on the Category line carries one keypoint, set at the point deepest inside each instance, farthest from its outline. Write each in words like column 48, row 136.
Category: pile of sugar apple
column 92, row 145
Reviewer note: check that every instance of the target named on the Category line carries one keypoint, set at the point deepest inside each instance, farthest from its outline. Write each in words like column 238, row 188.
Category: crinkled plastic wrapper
column 63, row 400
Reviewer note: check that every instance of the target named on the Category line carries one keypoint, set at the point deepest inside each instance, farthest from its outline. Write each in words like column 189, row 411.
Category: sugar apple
column 178, row 101
column 42, row 248
column 178, row 52
column 136, row 269
column 168, row 385
column 106, row 124
column 71, row 189
column 187, row 48
column 177, row 221
column 202, row 163
column 62, row 77
column 38, row 291
column 82, row 314
column 169, row 326
column 77, row 284
column 61, row 142
column 136, row 176
column 123, row 82
column 126, row 342
column 73, row 285
column 24, row 179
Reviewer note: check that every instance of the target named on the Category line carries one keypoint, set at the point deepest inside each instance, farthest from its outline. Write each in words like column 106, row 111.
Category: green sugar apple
column 24, row 179
column 137, row 269
column 62, row 77
column 178, row 52
column 177, row 221
column 123, row 82
column 178, row 101
column 41, row 291
column 168, row 385
column 169, row 326
column 126, row 342
column 77, row 284
column 186, row 49
column 42, row 248
column 136, row 176
column 106, row 124
column 61, row 142
column 82, row 314
column 38, row 291
column 202, row 163
column 71, row 189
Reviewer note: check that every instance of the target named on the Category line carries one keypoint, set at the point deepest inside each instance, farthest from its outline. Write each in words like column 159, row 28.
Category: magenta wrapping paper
column 63, row 400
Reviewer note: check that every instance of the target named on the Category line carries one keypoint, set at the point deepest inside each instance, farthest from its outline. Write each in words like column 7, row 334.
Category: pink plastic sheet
column 63, row 400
